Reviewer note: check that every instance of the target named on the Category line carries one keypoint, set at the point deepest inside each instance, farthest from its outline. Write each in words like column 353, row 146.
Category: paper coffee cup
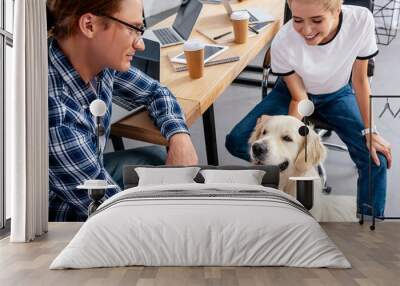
column 240, row 21
column 194, row 54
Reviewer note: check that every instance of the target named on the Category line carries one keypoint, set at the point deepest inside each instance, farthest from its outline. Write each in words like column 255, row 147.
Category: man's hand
column 379, row 145
column 181, row 151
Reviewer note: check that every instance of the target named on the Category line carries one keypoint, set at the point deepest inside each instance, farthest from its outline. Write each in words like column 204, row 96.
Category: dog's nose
column 259, row 149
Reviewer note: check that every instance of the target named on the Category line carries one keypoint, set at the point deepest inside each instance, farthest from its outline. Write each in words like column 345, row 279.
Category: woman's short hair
column 63, row 15
column 330, row 5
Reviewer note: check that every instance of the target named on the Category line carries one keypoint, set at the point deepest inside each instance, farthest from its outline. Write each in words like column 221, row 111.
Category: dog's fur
column 276, row 141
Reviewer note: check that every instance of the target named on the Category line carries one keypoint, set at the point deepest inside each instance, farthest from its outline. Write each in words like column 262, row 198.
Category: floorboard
column 374, row 255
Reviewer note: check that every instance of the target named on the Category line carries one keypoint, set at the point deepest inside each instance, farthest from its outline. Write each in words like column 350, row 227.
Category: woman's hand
column 297, row 91
column 379, row 145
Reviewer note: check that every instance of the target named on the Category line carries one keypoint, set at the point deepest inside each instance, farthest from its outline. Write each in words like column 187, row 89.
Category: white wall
column 153, row 7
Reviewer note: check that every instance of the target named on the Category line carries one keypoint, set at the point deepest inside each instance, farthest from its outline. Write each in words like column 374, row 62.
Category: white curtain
column 26, row 124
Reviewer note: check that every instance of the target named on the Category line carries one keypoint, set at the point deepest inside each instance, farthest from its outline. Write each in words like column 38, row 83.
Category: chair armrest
column 371, row 67
column 267, row 58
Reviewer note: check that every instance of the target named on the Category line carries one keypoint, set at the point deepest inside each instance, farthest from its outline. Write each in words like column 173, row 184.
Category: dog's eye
column 264, row 132
column 287, row 139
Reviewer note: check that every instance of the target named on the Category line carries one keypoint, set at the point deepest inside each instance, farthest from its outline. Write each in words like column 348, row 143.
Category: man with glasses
column 91, row 45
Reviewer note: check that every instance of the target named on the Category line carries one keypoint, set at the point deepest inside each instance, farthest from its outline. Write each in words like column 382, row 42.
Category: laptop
column 148, row 61
column 183, row 25
column 256, row 16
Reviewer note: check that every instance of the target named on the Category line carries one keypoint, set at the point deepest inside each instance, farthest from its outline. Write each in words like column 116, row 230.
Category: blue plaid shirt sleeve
column 161, row 103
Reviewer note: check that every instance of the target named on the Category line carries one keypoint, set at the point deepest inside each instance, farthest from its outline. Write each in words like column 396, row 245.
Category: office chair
column 322, row 128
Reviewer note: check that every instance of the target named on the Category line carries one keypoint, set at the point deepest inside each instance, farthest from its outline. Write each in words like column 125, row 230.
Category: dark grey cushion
column 270, row 179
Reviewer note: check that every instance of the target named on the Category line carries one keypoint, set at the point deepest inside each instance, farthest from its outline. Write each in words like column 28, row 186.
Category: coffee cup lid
column 193, row 45
column 240, row 15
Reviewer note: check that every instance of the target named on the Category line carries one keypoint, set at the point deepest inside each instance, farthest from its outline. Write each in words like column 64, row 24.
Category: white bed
column 203, row 225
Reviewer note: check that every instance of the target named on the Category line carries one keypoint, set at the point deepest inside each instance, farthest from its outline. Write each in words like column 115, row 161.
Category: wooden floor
column 375, row 257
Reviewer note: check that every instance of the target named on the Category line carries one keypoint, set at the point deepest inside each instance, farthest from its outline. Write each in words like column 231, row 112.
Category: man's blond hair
column 330, row 5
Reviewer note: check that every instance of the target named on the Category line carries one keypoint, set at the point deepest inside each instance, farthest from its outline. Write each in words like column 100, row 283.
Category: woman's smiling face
column 313, row 21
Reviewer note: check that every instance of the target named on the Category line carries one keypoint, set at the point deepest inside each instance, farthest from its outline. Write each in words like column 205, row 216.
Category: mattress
column 201, row 225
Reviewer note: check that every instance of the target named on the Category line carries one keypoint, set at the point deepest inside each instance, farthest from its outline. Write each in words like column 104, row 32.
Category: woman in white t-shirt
column 316, row 54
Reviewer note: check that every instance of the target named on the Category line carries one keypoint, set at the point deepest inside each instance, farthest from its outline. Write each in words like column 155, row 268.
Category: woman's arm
column 297, row 91
column 362, row 89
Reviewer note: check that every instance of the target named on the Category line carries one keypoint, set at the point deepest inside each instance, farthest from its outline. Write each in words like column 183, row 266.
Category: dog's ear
column 316, row 153
column 262, row 119
column 258, row 128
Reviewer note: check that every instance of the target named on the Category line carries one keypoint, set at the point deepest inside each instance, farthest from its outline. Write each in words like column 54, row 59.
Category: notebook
column 212, row 31
column 255, row 14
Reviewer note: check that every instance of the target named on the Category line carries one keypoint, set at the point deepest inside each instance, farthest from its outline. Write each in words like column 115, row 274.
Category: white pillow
column 248, row 177
column 166, row 176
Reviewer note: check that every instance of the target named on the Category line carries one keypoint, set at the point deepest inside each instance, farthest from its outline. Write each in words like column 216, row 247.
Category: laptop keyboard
column 128, row 105
column 166, row 36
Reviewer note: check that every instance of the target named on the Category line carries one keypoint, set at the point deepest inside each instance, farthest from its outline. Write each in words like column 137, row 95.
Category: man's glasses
column 139, row 31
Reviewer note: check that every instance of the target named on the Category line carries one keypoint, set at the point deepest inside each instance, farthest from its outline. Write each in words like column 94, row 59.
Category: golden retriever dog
column 276, row 141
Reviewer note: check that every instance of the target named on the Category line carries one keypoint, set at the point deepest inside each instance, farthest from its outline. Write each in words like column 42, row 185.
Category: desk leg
column 210, row 136
column 117, row 143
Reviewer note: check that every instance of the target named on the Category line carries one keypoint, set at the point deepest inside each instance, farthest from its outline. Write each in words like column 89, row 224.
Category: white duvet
column 208, row 230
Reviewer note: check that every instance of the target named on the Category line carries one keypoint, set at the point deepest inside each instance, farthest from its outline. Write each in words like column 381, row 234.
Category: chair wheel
column 372, row 227
column 361, row 222
column 327, row 190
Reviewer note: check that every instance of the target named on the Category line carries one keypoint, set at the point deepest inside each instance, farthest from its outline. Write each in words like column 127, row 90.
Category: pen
column 220, row 36
column 254, row 30
column 263, row 22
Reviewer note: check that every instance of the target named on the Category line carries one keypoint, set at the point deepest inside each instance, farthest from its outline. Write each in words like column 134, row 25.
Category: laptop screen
column 148, row 61
column 228, row 7
column 186, row 17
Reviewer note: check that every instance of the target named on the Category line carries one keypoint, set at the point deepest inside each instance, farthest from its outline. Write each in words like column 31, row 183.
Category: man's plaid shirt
column 72, row 137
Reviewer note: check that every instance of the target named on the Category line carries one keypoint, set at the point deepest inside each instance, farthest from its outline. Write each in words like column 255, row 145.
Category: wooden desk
column 197, row 96
column 141, row 127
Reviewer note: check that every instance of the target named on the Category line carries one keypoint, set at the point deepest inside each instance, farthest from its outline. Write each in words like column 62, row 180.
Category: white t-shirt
column 326, row 68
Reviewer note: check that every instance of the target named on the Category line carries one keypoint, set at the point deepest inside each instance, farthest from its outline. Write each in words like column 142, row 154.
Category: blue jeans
column 338, row 109
column 149, row 155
